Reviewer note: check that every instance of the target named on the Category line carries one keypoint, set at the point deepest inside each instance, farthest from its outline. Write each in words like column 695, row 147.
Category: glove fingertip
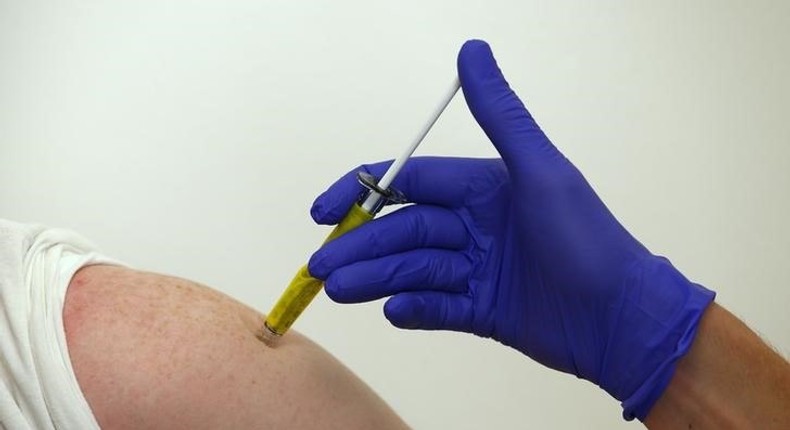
column 323, row 213
column 317, row 265
column 317, row 211
column 476, row 62
column 335, row 292
column 473, row 44
column 404, row 311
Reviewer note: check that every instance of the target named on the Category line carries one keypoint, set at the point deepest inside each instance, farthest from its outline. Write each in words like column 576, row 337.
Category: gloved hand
column 519, row 249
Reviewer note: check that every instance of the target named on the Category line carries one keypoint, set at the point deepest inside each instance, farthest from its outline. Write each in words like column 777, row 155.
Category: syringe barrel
column 304, row 287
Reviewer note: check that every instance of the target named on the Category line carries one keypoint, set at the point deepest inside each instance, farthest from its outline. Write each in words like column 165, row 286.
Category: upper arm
column 151, row 351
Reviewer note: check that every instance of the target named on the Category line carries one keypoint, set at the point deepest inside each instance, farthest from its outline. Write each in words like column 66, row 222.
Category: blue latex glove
column 519, row 249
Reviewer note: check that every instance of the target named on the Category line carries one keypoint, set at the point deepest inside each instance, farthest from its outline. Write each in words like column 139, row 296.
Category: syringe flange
column 387, row 196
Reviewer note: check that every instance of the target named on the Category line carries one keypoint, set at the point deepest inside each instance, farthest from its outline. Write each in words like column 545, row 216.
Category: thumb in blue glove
column 519, row 249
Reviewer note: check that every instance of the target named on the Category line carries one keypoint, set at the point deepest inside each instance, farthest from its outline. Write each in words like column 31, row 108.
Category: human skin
column 729, row 379
column 152, row 351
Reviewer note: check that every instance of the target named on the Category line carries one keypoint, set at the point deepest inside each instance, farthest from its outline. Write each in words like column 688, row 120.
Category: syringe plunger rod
column 304, row 286
column 373, row 198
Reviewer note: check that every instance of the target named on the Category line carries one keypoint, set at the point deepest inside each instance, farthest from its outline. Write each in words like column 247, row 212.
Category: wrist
column 729, row 379
column 658, row 315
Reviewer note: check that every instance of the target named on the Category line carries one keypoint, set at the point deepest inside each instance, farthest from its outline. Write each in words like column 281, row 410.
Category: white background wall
column 190, row 137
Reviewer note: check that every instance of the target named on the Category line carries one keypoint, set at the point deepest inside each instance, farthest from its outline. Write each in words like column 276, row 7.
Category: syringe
column 304, row 287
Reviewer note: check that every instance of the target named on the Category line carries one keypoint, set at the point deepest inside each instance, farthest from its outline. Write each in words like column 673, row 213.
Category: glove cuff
column 659, row 316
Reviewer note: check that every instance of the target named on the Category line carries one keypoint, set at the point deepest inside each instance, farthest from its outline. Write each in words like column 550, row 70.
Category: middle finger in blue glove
column 412, row 227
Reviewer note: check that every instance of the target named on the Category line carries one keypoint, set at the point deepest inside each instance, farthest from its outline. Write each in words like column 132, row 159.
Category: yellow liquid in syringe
column 304, row 287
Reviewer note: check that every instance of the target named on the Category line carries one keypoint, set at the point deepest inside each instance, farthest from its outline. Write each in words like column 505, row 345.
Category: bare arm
column 729, row 379
column 152, row 351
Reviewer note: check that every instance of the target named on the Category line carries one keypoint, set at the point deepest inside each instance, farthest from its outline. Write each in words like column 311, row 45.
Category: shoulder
column 156, row 351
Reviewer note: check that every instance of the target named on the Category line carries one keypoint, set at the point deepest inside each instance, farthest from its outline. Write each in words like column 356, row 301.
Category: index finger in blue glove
column 430, row 180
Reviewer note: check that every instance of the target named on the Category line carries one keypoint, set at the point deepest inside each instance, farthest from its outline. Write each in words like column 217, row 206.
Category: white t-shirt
column 38, row 388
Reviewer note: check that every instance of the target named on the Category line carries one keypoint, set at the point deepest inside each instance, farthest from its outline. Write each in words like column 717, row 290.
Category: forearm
column 729, row 379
